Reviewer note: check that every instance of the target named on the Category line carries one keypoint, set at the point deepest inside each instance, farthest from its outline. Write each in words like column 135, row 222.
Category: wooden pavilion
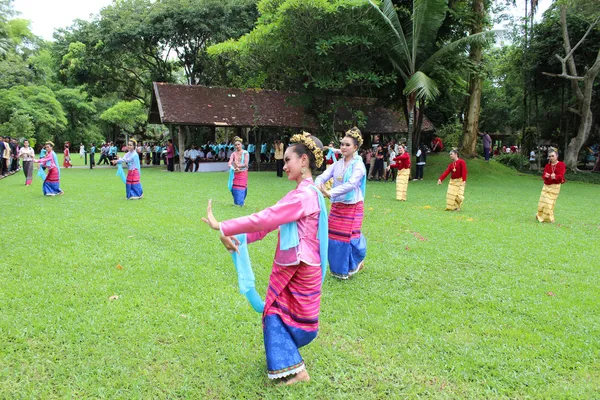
column 184, row 105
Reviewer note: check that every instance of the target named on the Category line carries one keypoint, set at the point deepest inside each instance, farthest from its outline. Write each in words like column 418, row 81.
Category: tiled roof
column 211, row 106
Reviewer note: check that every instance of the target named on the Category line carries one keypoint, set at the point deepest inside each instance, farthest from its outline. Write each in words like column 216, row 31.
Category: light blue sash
column 246, row 275
column 348, row 174
column 331, row 155
column 230, row 182
column 41, row 173
column 121, row 173
column 136, row 161
column 322, row 233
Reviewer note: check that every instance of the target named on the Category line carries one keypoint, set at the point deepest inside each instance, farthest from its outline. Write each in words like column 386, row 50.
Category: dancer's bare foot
column 301, row 376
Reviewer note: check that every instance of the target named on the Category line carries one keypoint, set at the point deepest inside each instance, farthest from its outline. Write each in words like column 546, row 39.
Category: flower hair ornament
column 355, row 133
column 238, row 139
column 307, row 139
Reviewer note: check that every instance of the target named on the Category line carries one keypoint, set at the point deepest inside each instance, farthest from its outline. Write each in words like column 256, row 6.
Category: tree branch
column 564, row 75
column 570, row 54
column 569, row 57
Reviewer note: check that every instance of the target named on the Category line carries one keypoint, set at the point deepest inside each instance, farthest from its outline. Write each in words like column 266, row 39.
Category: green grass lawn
column 485, row 303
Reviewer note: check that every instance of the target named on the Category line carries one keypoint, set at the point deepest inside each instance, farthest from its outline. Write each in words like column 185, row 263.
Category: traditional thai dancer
column 403, row 166
column 458, row 180
column 554, row 177
column 27, row 154
column 51, row 177
column 238, row 172
column 133, row 187
column 67, row 154
column 347, row 245
column 291, row 310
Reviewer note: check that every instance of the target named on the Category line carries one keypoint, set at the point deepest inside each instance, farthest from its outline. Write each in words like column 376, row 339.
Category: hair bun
column 355, row 133
column 312, row 143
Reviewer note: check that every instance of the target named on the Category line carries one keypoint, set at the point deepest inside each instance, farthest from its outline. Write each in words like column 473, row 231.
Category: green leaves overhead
column 325, row 46
column 127, row 115
column 422, row 86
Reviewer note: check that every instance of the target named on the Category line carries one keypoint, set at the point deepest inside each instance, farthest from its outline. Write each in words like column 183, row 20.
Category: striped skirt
column 51, row 186
column 547, row 202
column 347, row 245
column 28, row 171
column 455, row 195
column 291, row 316
column 240, row 187
column 133, row 187
column 402, row 183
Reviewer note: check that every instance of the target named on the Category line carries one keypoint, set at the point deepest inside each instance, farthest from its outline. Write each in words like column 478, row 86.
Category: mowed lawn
column 485, row 303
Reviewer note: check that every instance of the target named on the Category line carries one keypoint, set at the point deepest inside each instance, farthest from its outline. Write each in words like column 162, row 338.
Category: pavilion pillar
column 181, row 147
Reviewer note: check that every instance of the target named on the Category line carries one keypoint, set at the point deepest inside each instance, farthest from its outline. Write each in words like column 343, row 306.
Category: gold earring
column 303, row 170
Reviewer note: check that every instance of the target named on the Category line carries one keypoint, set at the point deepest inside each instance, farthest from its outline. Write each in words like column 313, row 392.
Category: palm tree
column 408, row 50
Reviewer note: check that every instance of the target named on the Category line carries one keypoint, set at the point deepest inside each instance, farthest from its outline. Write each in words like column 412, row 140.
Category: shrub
column 513, row 160
column 450, row 134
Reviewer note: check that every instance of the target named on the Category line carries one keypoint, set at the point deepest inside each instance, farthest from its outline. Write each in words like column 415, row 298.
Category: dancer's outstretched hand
column 231, row 243
column 210, row 218
column 324, row 191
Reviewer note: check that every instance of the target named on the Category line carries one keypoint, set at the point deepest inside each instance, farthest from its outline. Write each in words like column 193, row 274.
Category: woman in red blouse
column 554, row 177
column 403, row 165
column 458, row 180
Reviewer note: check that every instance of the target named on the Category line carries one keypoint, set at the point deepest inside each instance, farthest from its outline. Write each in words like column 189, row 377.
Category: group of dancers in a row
column 49, row 170
column 291, row 308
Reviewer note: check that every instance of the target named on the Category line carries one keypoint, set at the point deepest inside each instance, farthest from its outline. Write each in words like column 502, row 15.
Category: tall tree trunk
column 471, row 124
column 411, row 103
column 585, row 124
column 409, row 126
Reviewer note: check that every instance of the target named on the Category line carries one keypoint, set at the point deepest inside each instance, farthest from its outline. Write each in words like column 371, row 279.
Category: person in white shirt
column 187, row 160
column 27, row 154
column 194, row 158
column 532, row 163
column 421, row 161
column 391, row 172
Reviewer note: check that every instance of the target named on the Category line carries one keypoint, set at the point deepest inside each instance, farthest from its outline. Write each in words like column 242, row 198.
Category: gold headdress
column 132, row 140
column 306, row 139
column 354, row 132
column 238, row 139
column 50, row 143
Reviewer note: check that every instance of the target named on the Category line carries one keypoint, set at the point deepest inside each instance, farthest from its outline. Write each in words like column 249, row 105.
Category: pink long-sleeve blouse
column 48, row 158
column 300, row 205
